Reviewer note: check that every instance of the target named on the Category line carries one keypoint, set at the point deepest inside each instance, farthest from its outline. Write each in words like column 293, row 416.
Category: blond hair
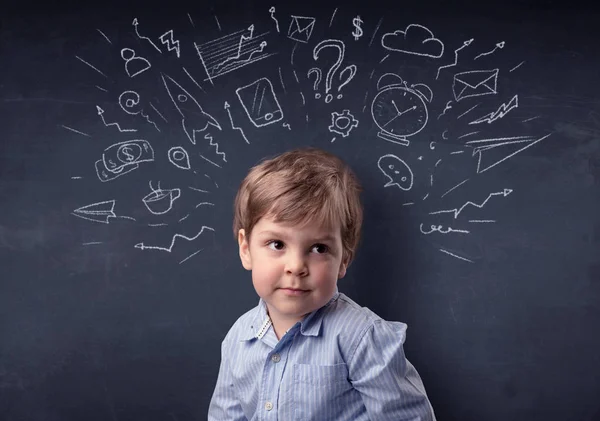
column 301, row 186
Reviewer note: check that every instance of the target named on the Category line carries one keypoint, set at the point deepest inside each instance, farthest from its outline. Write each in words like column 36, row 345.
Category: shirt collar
column 309, row 326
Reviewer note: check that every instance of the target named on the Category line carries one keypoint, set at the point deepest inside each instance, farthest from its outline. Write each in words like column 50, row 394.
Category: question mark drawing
column 317, row 80
column 340, row 46
column 352, row 70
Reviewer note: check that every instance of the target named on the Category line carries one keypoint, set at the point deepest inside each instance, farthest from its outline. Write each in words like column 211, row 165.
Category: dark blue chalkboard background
column 119, row 274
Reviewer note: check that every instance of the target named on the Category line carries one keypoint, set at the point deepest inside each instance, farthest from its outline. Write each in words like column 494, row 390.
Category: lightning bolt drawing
column 501, row 112
column 101, row 112
column 457, row 212
column 227, row 106
column 170, row 42
column 465, row 44
column 208, row 137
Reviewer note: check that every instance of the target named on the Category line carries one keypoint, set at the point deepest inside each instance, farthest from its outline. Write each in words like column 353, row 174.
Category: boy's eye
column 320, row 248
column 275, row 244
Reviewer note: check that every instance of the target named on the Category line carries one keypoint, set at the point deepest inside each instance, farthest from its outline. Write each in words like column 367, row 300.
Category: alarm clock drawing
column 399, row 110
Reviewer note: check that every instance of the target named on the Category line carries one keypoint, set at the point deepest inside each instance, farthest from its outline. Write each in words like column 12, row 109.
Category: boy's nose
column 296, row 265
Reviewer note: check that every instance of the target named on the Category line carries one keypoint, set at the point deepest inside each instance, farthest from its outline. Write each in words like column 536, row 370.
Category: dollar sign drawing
column 126, row 150
column 358, row 32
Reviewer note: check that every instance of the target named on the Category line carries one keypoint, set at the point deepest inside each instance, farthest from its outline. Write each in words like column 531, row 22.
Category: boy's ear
column 244, row 250
column 342, row 271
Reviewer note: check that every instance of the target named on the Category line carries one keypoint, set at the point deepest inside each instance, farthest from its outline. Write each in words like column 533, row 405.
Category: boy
column 308, row 352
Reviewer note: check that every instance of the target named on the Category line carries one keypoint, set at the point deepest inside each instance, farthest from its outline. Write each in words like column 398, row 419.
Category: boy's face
column 294, row 268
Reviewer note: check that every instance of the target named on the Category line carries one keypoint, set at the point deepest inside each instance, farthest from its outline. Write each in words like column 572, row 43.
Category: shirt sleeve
column 224, row 405
column 390, row 386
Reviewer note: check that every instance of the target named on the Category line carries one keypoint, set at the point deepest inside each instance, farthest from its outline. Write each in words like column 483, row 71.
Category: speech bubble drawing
column 397, row 171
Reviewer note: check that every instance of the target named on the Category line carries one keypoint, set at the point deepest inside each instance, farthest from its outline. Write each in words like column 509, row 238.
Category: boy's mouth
column 294, row 291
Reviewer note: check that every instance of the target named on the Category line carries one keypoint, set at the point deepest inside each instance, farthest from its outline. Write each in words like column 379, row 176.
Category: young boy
column 307, row 351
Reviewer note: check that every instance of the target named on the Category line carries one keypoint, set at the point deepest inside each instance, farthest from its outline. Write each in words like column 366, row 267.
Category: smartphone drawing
column 260, row 103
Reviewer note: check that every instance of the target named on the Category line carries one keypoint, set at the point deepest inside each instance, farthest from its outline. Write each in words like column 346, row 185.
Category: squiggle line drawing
column 129, row 101
column 481, row 146
column 231, row 52
column 227, row 106
column 498, row 45
column 135, row 24
column 208, row 137
column 170, row 42
column 101, row 114
column 169, row 249
column 465, row 45
column 498, row 114
column 439, row 229
column 272, row 12
column 99, row 212
column 448, row 107
column 457, row 211
column 137, row 60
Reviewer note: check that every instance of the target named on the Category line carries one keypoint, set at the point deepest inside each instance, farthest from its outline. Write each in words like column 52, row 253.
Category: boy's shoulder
column 344, row 312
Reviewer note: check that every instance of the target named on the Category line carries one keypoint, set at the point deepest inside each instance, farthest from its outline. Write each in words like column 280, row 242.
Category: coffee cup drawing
column 160, row 201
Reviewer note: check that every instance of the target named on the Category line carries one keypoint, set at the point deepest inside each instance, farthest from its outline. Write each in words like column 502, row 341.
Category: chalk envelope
column 475, row 83
column 301, row 28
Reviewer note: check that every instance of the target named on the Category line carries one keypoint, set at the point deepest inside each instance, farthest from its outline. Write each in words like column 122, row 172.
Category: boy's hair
column 301, row 186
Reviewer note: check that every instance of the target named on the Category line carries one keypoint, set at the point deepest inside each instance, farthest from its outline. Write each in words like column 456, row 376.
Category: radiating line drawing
column 218, row 23
column 191, row 21
column 398, row 110
column 342, row 123
column 281, row 80
column 438, row 228
column 469, row 110
column 204, row 204
column 99, row 212
column 499, row 113
column 465, row 45
column 75, row 131
column 481, row 146
column 438, row 162
column 172, row 44
column 162, row 224
column 209, row 161
column 293, row 51
column 445, row 134
column 301, row 28
column 179, row 157
column 295, row 76
column 183, row 218
column 101, row 114
column 191, row 122
column 303, row 100
column 529, row 119
column 384, row 58
column 231, row 52
column 517, row 66
column 193, row 80
column 397, row 171
column 482, row 221
column 104, row 35
column 101, row 88
column 474, row 83
column 160, row 201
column 499, row 45
column 455, row 255
column 198, row 190
column 129, row 101
column 358, row 32
column 227, row 106
column 191, row 255
column 169, row 249
column 139, row 61
column 214, row 182
column 446, row 108
column 408, row 203
column 158, row 112
column 455, row 187
column 272, row 12
column 375, row 31
column 332, row 16
column 260, row 102
column 456, row 152
column 426, row 196
column 351, row 69
column 76, row 178
column 90, row 65
column 467, row 134
column 457, row 211
column 135, row 24
column 91, row 243
column 415, row 39
column 432, row 145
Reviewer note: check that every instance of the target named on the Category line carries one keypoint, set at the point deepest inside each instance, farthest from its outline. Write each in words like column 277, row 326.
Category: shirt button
column 268, row 406
column 275, row 358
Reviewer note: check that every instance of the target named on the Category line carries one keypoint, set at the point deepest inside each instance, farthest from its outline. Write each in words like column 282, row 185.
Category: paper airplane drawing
column 99, row 212
column 506, row 147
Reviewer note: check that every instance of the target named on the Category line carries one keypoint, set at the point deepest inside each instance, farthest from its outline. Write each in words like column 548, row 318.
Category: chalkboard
column 126, row 130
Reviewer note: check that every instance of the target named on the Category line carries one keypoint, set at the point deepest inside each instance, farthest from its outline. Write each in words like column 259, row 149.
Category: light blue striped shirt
column 341, row 362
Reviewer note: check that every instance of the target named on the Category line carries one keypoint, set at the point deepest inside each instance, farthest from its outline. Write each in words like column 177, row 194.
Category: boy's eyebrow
column 269, row 233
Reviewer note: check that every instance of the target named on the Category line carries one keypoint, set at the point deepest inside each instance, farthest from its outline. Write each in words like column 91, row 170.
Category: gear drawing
column 342, row 123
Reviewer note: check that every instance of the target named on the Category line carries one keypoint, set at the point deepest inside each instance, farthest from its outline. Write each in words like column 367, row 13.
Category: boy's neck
column 281, row 324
